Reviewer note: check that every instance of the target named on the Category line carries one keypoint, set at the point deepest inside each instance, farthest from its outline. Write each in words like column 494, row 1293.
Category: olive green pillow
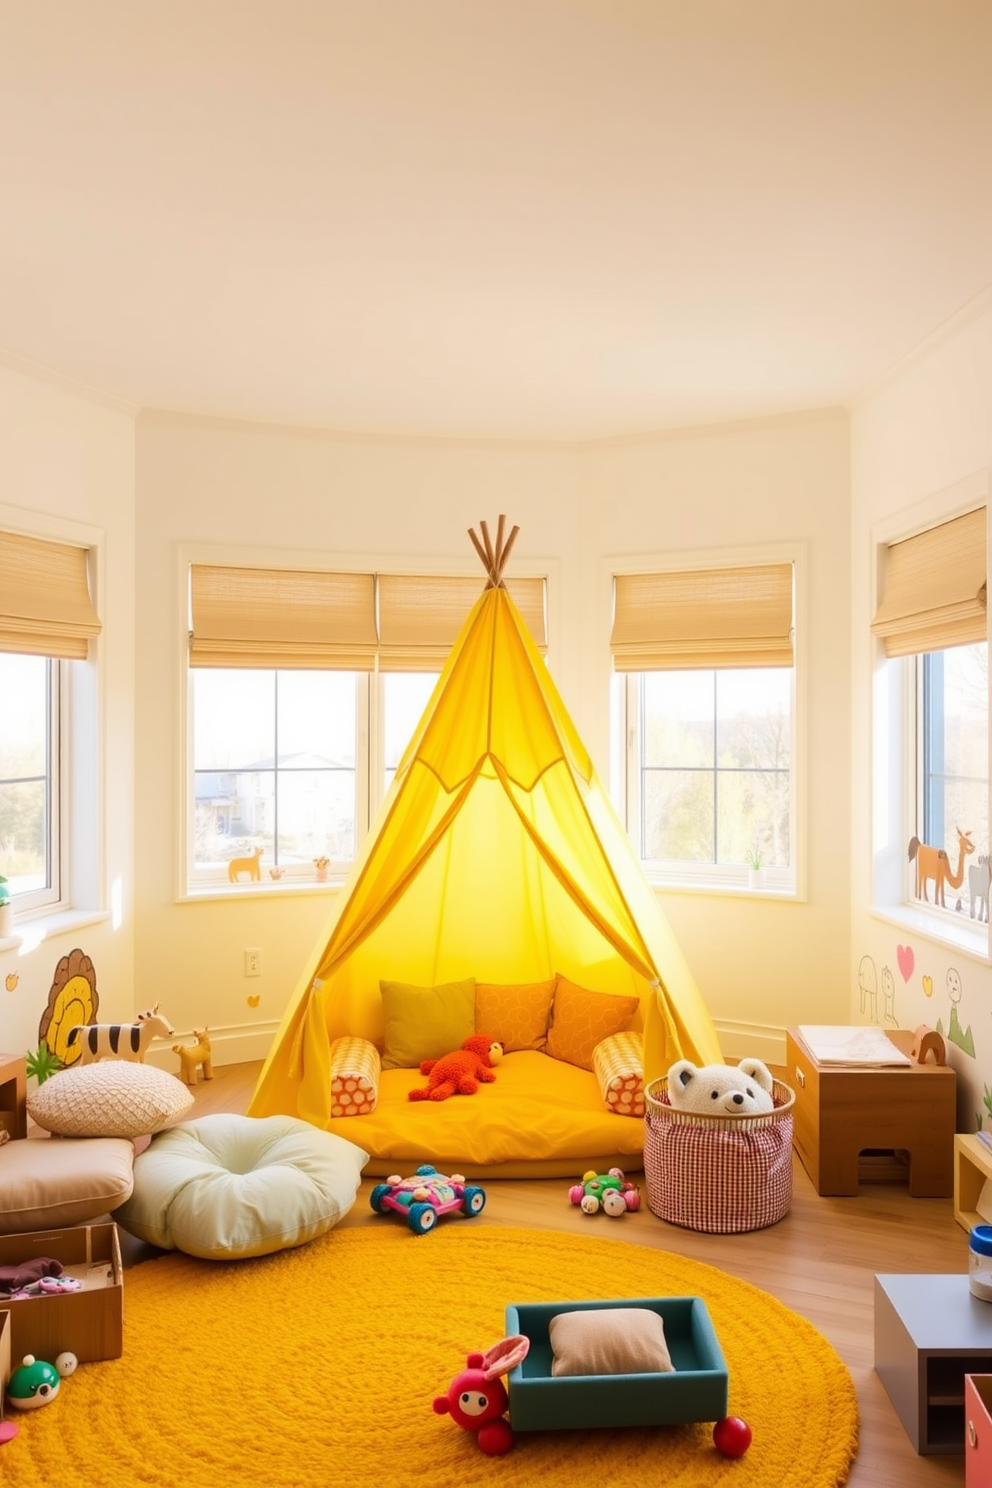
column 425, row 1022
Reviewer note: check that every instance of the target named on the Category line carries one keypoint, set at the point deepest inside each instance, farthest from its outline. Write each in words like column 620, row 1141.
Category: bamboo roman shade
column 420, row 617
column 261, row 617
column 933, row 590
column 713, row 617
column 45, row 605
column 275, row 617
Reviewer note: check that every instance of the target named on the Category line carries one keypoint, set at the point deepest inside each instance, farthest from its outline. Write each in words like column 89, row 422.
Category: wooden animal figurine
column 927, row 1041
column 191, row 1056
column 249, row 865
column 119, row 1040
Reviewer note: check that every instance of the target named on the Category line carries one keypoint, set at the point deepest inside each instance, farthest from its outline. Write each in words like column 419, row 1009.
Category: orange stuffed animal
column 459, row 1073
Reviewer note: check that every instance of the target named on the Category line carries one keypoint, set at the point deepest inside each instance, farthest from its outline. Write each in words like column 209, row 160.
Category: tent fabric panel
column 692, row 618
column 934, row 588
column 45, row 604
column 277, row 617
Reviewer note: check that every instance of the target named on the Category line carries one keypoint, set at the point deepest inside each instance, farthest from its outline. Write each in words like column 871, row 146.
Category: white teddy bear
column 743, row 1089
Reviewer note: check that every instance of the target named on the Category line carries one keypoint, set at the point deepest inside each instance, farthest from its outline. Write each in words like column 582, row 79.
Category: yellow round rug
column 319, row 1366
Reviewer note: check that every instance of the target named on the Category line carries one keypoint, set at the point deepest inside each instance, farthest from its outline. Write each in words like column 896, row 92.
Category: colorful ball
column 732, row 1436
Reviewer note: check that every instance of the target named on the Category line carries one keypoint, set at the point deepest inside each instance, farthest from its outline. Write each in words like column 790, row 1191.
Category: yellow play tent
column 496, row 855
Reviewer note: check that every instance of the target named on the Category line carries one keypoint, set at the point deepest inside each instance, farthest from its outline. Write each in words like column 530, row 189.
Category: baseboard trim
column 752, row 1041
column 234, row 1044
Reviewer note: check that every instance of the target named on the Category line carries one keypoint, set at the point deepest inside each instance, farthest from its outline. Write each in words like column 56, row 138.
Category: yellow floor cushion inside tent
column 541, row 1117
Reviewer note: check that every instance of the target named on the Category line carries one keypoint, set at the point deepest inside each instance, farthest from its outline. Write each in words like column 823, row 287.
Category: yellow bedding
column 540, row 1118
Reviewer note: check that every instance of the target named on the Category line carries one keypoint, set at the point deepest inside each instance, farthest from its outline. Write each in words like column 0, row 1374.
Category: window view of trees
column 715, row 766
column 279, row 760
column 25, row 771
column 954, row 777
column 274, row 765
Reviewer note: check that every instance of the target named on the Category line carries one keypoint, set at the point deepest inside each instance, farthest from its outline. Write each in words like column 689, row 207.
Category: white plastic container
column 980, row 1262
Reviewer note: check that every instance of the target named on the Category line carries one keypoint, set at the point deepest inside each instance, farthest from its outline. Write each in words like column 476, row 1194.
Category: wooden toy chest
column 842, row 1112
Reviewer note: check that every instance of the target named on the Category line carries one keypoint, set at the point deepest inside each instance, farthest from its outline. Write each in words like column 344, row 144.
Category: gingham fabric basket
column 723, row 1174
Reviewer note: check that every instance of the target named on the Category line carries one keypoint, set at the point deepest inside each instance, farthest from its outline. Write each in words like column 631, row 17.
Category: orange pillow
column 516, row 1013
column 580, row 1019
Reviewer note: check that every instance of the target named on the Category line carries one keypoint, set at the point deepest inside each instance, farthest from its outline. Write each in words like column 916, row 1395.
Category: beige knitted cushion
column 114, row 1098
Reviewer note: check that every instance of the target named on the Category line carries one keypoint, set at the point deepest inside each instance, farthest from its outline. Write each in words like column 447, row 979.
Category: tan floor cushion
column 47, row 1182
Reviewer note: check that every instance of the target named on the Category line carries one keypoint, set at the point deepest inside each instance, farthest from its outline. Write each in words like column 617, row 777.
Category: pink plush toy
column 460, row 1073
column 476, row 1399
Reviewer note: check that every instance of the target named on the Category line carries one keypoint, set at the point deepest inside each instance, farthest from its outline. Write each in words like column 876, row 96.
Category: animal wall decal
column 933, row 863
column 979, row 875
column 72, row 999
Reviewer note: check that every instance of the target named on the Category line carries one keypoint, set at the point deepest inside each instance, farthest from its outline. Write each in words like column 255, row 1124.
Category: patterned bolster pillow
column 355, row 1067
column 617, row 1065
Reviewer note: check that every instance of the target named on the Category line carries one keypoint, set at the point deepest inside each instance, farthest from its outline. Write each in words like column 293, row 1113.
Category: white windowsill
column 969, row 937
column 30, row 932
column 198, row 894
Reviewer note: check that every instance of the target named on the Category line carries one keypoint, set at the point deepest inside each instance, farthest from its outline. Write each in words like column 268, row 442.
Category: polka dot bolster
column 355, row 1069
column 617, row 1065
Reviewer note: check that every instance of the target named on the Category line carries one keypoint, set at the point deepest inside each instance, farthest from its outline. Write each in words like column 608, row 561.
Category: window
column 305, row 687
column 705, row 696
column 47, row 623
column 932, row 624
column 29, row 779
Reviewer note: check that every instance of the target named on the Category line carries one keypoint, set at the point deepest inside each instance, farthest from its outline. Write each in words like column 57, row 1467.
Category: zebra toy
column 119, row 1040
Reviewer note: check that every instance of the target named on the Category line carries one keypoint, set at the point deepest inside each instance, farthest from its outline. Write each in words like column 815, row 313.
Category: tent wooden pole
column 481, row 552
column 506, row 551
column 483, row 528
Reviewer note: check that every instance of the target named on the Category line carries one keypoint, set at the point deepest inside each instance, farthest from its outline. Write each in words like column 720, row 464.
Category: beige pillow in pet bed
column 609, row 1340
column 114, row 1098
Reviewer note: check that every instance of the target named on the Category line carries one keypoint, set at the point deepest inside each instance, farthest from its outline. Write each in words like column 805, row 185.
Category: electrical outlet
column 253, row 961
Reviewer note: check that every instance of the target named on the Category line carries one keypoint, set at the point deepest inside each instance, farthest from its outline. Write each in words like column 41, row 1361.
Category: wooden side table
column 841, row 1112
column 13, row 1095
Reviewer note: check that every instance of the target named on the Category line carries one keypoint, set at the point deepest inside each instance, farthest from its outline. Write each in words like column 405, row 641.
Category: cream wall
column 924, row 431
column 760, row 965
column 67, row 457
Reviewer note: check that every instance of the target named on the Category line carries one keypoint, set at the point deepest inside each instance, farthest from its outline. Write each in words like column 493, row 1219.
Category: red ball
column 732, row 1436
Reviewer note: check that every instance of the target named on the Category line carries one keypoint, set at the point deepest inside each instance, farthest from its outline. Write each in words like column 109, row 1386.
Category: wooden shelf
column 972, row 1168
column 13, row 1095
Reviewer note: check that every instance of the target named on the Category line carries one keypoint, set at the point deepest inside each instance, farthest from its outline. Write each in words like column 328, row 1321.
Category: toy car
column 427, row 1195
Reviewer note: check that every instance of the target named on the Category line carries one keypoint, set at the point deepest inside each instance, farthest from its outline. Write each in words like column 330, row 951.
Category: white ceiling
column 536, row 218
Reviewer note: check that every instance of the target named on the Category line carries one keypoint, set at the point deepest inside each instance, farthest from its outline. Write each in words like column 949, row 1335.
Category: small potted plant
column 755, row 867
column 321, row 865
column 6, row 910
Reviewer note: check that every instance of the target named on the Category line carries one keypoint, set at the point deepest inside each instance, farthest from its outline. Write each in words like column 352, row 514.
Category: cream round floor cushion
column 224, row 1187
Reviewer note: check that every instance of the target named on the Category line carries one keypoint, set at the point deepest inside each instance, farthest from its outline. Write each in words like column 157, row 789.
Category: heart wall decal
column 906, row 960
column 928, row 986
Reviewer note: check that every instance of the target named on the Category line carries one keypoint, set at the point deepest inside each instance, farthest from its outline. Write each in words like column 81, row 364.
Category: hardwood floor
column 820, row 1260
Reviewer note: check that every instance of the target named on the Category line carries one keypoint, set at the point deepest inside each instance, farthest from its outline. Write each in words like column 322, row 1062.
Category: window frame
column 897, row 744
column 711, row 878
column 370, row 716
column 76, row 829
